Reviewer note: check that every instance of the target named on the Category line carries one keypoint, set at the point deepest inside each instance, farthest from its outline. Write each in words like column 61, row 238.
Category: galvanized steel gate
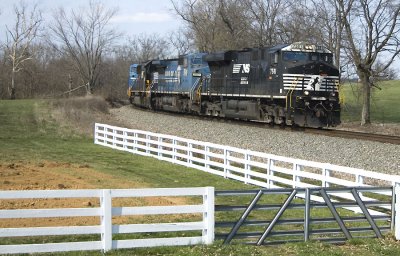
column 303, row 214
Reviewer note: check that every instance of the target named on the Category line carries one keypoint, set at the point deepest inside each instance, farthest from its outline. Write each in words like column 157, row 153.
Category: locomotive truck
column 289, row 84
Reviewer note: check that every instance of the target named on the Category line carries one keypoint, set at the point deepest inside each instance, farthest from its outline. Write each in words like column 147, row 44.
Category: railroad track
column 326, row 132
column 356, row 135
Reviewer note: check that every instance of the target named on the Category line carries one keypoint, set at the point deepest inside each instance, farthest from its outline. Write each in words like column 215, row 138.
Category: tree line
column 81, row 53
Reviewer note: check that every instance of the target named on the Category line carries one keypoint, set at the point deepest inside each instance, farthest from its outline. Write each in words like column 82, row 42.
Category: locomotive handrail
column 194, row 88
column 290, row 91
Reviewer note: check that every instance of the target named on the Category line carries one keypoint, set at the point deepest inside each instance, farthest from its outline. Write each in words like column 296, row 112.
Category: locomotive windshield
column 307, row 56
column 133, row 69
column 295, row 56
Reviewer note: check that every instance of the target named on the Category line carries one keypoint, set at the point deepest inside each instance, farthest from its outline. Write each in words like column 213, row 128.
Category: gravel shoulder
column 368, row 155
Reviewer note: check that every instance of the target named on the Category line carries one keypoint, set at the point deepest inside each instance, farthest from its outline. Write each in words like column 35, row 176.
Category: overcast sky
column 133, row 16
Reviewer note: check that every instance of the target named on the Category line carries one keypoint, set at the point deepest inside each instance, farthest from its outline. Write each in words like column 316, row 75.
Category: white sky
column 133, row 16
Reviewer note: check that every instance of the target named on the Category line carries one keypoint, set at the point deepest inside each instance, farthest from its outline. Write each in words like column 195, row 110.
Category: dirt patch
column 387, row 129
column 52, row 175
column 56, row 176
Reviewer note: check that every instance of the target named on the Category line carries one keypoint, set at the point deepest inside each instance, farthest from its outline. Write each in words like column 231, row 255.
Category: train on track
column 290, row 84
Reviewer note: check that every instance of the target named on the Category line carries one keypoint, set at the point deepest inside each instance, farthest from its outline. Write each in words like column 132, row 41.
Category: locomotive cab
column 311, row 85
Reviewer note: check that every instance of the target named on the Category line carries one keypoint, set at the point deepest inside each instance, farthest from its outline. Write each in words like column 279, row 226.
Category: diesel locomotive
column 294, row 84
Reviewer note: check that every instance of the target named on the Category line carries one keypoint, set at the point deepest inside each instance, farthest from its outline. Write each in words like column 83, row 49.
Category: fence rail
column 106, row 212
column 251, row 167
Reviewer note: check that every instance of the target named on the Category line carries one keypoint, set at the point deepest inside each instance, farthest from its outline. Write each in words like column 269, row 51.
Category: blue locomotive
column 294, row 84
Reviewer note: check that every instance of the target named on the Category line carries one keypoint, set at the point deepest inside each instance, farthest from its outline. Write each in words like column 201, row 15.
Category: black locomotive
column 294, row 84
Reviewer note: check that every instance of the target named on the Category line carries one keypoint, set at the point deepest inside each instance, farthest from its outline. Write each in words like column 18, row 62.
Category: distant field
column 385, row 103
column 36, row 153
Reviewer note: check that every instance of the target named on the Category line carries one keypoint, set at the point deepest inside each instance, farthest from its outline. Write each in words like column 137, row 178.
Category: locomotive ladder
column 194, row 91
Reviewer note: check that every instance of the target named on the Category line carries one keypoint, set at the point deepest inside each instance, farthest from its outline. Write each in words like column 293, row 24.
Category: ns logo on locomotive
column 294, row 84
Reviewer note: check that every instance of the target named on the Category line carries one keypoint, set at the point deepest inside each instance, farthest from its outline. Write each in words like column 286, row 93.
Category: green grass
column 370, row 247
column 385, row 104
column 24, row 138
column 29, row 135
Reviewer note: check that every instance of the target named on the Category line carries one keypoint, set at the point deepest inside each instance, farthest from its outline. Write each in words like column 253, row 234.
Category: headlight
column 306, row 93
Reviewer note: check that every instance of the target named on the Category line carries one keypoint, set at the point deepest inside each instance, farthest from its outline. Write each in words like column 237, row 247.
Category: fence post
column 125, row 140
column 95, row 132
column 271, row 173
column 246, row 167
column 326, row 173
column 225, row 163
column 113, row 138
column 397, row 211
column 295, row 177
column 207, row 157
column 189, row 152
column 135, row 142
column 160, row 140
column 106, row 219
column 208, row 216
column 360, row 182
column 147, row 144
column 174, row 150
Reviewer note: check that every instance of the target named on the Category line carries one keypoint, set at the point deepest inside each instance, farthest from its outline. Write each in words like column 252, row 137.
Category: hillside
column 39, row 152
column 385, row 104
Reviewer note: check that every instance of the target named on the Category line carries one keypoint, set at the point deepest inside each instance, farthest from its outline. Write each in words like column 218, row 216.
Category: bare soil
column 52, row 175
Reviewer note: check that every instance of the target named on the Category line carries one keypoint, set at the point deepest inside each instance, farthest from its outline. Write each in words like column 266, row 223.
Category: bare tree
column 329, row 31
column 181, row 41
column 234, row 24
column 147, row 47
column 84, row 36
column 381, row 73
column 372, row 30
column 20, row 37
column 299, row 23
column 215, row 24
column 265, row 16
column 200, row 17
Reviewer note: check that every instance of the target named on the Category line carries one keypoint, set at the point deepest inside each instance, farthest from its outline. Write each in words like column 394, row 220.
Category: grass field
column 385, row 104
column 29, row 135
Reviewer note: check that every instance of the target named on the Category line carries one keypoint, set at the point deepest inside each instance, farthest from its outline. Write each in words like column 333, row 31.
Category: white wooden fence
column 250, row 167
column 106, row 212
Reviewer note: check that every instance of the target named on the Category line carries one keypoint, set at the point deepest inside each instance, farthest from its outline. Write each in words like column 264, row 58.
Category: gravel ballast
column 367, row 155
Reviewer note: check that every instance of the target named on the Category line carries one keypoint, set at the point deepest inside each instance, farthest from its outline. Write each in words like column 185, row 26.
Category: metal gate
column 274, row 216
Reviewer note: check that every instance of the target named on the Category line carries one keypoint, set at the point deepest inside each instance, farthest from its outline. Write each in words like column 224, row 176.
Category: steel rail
column 330, row 132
